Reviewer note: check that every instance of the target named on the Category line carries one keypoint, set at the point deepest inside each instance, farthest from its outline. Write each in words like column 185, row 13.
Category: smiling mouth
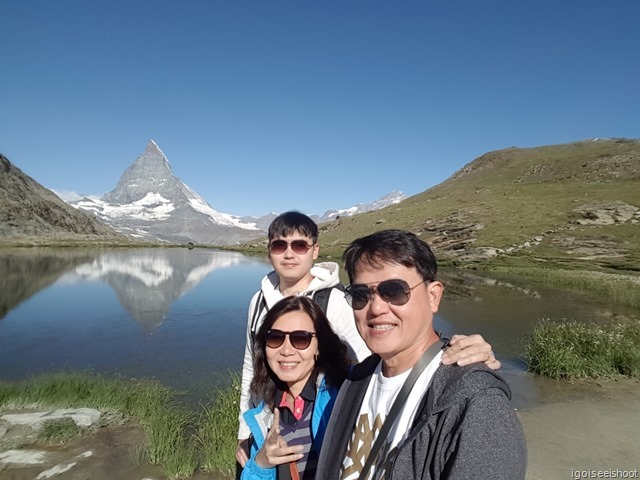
column 288, row 364
column 381, row 328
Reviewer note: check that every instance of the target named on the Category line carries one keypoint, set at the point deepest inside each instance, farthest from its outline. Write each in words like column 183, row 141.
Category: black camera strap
column 408, row 384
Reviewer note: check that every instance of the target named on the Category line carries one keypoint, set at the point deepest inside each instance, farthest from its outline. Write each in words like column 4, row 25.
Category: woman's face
column 291, row 365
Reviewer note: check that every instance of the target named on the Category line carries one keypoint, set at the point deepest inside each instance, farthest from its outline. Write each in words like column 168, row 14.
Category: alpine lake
column 179, row 316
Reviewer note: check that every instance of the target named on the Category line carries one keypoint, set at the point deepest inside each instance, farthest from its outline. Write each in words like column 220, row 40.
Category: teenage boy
column 293, row 249
column 401, row 413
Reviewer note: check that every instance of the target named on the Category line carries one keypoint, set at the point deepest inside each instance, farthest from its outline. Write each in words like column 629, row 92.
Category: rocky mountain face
column 33, row 214
column 149, row 202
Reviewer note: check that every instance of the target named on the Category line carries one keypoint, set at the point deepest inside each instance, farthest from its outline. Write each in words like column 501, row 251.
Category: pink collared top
column 298, row 405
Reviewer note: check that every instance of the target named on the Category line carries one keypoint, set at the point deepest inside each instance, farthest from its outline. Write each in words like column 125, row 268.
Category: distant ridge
column 150, row 203
column 30, row 213
column 569, row 204
column 391, row 198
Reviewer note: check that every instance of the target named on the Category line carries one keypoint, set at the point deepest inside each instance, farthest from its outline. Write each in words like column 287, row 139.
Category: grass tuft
column 59, row 431
column 165, row 423
column 574, row 350
column 218, row 428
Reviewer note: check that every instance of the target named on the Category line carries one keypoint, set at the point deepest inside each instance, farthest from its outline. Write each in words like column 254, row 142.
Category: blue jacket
column 259, row 420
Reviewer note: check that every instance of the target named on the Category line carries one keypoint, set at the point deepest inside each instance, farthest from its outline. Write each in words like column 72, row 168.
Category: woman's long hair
column 332, row 360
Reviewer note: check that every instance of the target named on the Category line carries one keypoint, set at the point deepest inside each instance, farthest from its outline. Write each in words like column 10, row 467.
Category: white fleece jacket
column 339, row 313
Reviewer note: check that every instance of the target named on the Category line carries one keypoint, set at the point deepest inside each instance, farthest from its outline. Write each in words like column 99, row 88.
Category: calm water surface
column 179, row 315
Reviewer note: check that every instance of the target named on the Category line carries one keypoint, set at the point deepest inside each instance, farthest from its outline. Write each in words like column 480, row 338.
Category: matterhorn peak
column 150, row 172
column 149, row 202
column 153, row 157
column 153, row 148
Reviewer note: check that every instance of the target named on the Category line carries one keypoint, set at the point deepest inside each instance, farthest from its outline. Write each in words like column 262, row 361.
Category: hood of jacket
column 325, row 275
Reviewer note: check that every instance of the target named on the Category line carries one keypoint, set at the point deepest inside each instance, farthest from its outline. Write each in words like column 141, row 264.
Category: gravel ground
column 598, row 433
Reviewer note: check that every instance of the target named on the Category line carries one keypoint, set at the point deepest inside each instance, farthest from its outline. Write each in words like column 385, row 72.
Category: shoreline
column 590, row 433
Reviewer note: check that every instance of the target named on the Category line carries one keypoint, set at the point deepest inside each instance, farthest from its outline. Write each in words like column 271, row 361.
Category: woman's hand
column 275, row 450
column 465, row 350
column 242, row 451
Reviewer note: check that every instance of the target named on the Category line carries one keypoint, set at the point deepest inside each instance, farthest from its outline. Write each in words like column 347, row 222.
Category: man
column 293, row 250
column 455, row 423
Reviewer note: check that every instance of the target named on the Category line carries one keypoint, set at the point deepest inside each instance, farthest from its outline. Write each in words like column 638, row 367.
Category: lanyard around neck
column 416, row 371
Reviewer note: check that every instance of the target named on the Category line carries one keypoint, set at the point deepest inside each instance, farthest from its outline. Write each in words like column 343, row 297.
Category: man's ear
column 316, row 251
column 436, row 289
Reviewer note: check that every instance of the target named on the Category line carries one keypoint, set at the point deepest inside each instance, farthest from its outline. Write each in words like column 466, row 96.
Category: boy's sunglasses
column 395, row 292
column 299, row 247
column 299, row 339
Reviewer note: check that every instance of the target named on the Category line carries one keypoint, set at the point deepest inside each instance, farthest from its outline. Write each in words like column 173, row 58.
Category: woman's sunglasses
column 299, row 339
column 299, row 247
column 395, row 292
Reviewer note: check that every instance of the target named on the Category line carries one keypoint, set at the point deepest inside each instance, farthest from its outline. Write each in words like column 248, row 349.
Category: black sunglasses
column 299, row 247
column 395, row 292
column 299, row 339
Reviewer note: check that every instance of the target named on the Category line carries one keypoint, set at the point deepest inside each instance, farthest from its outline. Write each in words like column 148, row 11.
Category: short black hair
column 391, row 246
column 290, row 222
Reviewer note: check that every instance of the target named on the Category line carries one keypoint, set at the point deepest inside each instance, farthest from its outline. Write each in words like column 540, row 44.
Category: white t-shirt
column 381, row 393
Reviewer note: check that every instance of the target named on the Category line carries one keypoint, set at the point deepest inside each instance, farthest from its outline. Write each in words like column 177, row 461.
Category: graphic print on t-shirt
column 360, row 445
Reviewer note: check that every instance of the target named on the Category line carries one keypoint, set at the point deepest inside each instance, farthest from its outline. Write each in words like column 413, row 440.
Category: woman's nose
column 287, row 348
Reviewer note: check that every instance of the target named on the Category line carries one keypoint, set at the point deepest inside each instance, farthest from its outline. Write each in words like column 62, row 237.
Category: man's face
column 291, row 266
column 397, row 332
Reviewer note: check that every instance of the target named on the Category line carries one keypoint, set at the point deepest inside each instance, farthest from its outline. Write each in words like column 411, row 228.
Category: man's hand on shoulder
column 465, row 350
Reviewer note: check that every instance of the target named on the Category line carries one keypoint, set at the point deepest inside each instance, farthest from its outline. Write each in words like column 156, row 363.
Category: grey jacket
column 465, row 428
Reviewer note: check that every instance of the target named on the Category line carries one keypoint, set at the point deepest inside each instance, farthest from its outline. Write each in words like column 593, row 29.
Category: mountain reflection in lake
column 179, row 315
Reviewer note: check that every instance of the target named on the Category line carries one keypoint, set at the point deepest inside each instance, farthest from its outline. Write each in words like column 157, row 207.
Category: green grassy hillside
column 572, row 204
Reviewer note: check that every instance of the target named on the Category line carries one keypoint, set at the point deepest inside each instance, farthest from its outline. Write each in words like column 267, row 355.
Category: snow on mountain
column 150, row 202
column 391, row 198
column 152, row 206
column 198, row 203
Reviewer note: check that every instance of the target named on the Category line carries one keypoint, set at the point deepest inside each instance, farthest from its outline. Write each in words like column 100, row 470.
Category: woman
column 299, row 365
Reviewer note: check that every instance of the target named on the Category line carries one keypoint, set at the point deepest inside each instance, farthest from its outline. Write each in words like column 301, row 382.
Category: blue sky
column 270, row 105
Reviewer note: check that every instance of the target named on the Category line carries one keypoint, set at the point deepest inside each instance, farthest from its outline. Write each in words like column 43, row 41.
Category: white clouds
column 68, row 195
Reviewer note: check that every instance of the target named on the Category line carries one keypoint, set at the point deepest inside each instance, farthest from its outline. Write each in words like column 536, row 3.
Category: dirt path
column 600, row 432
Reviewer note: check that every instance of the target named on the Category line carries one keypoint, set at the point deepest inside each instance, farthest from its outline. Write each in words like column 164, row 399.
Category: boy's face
column 292, row 264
